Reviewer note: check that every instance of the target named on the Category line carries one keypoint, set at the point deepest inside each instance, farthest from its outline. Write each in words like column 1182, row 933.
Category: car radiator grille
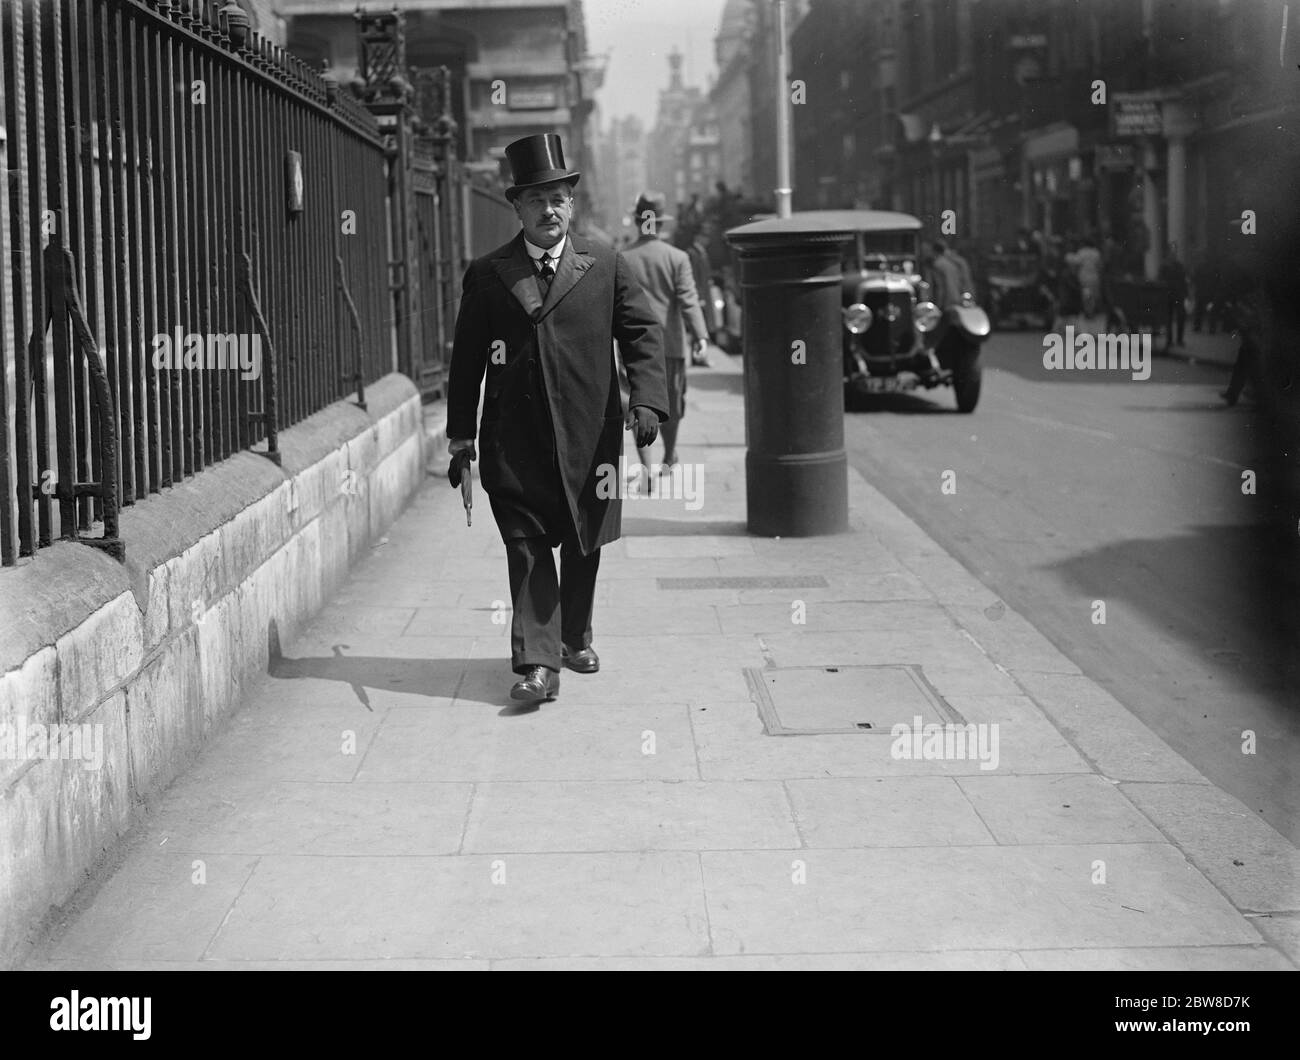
column 886, row 338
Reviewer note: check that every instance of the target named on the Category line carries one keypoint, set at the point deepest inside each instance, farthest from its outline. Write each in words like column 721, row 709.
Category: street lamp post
column 783, row 189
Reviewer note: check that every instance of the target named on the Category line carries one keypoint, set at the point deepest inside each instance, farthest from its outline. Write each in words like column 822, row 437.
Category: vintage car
column 1016, row 294
column 895, row 338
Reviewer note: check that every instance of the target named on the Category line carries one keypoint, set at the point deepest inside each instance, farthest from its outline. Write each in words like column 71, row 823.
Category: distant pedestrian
column 963, row 270
column 1086, row 262
column 1069, row 292
column 943, row 275
column 698, row 252
column 664, row 273
column 1174, row 277
column 1244, row 306
column 1205, row 292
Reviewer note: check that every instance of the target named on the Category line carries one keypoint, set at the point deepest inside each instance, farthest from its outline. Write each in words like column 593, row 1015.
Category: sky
column 639, row 34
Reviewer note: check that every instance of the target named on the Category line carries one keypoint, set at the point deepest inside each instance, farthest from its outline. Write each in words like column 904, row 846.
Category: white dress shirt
column 536, row 253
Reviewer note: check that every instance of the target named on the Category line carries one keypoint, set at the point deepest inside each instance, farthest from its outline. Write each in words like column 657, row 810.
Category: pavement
column 729, row 791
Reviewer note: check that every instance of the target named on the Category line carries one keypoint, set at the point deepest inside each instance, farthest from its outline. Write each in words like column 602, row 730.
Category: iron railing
column 177, row 193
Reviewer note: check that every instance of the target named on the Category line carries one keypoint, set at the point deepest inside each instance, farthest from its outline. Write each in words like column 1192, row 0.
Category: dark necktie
column 545, row 273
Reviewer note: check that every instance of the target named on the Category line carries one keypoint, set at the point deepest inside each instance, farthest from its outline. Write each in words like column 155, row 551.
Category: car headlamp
column 925, row 315
column 857, row 318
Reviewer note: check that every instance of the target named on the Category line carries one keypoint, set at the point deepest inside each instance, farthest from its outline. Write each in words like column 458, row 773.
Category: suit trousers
column 546, row 611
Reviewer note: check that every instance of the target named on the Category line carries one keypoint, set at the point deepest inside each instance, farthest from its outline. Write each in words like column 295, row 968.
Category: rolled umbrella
column 460, row 474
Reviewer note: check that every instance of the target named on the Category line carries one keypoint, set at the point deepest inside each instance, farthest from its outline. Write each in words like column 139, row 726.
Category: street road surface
column 1080, row 486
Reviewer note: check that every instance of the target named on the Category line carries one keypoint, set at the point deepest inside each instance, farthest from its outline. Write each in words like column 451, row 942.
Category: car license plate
column 884, row 384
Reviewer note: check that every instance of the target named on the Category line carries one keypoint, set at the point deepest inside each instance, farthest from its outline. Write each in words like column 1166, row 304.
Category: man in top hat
column 538, row 316
column 665, row 274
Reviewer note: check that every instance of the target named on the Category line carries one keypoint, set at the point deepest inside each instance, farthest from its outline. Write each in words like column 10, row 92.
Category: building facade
column 518, row 67
column 1112, row 118
column 730, row 95
column 838, row 126
column 621, row 158
column 683, row 146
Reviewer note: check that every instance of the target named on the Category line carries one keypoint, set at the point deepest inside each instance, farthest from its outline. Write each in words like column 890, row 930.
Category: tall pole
column 783, row 190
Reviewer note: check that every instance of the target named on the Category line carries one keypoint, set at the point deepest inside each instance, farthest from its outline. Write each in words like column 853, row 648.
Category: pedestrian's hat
column 537, row 160
column 651, row 202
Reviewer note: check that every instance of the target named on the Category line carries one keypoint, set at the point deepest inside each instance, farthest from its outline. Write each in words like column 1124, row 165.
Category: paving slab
column 1078, row 808
column 636, row 815
column 928, row 646
column 557, row 741
column 885, row 812
column 1256, row 866
column 301, row 743
column 1112, row 739
column 156, row 907
column 356, row 908
column 975, row 897
column 292, row 817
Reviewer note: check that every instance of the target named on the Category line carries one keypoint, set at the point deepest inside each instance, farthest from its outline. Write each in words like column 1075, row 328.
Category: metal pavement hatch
column 813, row 700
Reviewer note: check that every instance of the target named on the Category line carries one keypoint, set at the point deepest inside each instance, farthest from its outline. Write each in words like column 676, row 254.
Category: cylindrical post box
column 796, row 470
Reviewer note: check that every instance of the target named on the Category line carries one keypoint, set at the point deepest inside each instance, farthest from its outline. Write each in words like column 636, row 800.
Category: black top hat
column 537, row 160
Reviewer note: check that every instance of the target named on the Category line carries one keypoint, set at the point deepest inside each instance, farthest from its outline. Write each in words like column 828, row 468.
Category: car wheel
column 966, row 375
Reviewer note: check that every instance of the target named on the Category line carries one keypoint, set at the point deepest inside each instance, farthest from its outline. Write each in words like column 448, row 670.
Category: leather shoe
column 538, row 682
column 583, row 660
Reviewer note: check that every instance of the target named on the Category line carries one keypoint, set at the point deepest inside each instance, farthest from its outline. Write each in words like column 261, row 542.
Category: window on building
column 850, row 146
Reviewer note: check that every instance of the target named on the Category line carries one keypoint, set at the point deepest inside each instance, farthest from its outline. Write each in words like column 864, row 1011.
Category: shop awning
column 1052, row 144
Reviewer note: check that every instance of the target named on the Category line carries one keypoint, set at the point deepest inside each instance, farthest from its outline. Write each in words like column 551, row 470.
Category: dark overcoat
column 551, row 438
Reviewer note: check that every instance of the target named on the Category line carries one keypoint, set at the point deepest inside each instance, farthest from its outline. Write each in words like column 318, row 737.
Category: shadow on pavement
column 432, row 677
column 1230, row 569
column 437, row 678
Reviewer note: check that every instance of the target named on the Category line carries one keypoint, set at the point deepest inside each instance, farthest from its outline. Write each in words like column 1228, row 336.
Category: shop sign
column 533, row 99
column 1136, row 113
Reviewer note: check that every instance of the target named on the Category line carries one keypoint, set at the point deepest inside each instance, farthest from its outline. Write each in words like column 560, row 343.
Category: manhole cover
column 809, row 700
column 757, row 581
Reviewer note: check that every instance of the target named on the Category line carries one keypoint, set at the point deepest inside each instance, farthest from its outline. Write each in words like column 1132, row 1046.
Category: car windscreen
column 891, row 244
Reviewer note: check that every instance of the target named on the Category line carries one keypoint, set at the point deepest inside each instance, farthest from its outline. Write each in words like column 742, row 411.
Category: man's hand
column 462, row 452
column 646, row 423
column 700, row 353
